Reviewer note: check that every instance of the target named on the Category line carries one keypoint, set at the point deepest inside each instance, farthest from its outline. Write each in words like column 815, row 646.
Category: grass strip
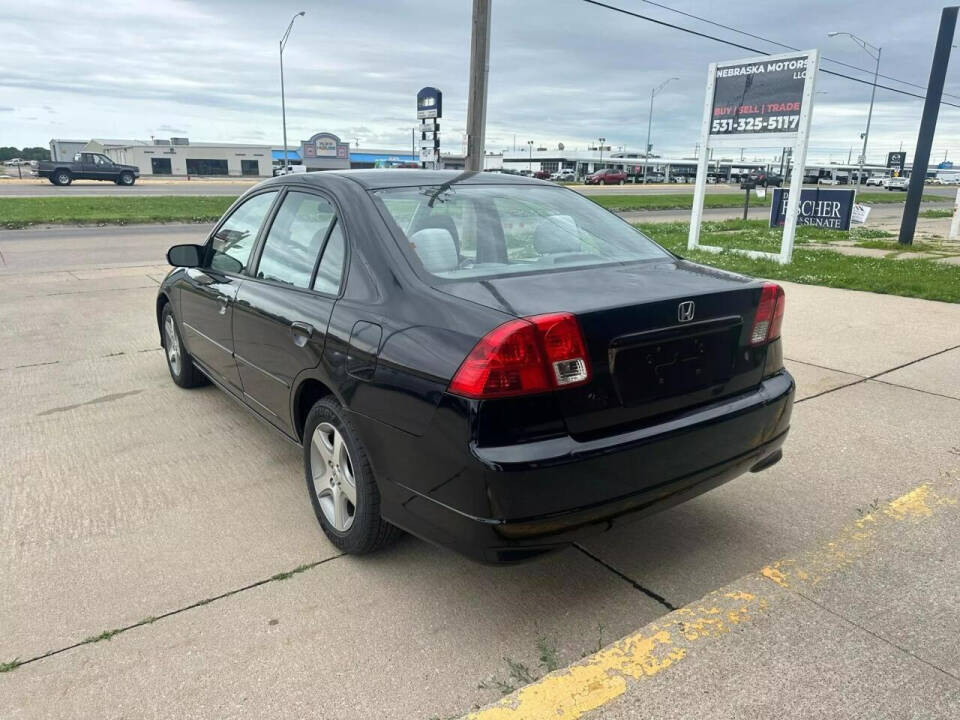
column 922, row 278
column 110, row 210
column 684, row 201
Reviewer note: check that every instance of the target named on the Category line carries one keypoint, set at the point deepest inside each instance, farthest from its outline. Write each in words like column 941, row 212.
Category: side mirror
column 185, row 255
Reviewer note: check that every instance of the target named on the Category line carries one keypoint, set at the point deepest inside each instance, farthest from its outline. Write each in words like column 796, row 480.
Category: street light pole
column 602, row 141
column 873, row 92
column 530, row 164
column 283, row 99
column 646, row 153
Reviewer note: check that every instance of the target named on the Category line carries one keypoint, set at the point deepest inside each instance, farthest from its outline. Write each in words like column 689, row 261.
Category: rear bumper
column 504, row 504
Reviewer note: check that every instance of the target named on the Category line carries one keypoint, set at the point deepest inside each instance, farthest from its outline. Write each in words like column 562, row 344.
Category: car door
column 282, row 312
column 208, row 292
column 88, row 166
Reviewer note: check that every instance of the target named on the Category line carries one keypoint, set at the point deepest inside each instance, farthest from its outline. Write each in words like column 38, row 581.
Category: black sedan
column 493, row 363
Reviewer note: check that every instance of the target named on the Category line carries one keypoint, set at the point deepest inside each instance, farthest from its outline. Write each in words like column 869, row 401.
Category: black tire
column 184, row 372
column 61, row 177
column 126, row 178
column 368, row 531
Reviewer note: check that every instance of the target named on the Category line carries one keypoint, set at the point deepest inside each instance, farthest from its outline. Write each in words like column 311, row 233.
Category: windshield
column 476, row 231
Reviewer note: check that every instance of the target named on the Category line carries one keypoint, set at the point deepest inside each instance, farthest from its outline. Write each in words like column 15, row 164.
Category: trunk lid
column 648, row 359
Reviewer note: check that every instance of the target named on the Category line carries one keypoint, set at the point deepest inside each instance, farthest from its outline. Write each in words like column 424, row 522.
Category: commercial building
column 179, row 156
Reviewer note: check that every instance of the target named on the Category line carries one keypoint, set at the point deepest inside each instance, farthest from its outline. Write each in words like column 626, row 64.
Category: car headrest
column 557, row 234
column 436, row 249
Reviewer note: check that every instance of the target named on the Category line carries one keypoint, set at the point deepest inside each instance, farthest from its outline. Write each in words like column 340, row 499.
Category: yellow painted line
column 573, row 691
column 857, row 539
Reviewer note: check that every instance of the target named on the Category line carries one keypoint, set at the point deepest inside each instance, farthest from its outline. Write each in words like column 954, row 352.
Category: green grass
column 936, row 213
column 684, row 201
column 110, row 210
column 911, row 278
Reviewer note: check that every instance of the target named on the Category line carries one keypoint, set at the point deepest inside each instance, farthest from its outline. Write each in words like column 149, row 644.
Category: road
column 235, row 186
column 177, row 520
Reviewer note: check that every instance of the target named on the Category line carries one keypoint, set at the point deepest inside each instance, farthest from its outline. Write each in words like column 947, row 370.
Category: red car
column 606, row 177
column 541, row 175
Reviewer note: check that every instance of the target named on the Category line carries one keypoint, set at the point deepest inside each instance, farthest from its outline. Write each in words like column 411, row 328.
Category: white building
column 178, row 156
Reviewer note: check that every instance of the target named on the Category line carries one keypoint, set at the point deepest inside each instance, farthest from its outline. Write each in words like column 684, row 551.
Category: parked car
column 14, row 162
column 289, row 169
column 541, row 174
column 606, row 177
column 877, row 180
column 504, row 398
column 897, row 183
column 87, row 166
column 762, row 178
column 565, row 175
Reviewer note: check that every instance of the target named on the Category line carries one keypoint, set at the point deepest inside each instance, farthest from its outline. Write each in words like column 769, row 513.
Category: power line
column 783, row 45
column 747, row 47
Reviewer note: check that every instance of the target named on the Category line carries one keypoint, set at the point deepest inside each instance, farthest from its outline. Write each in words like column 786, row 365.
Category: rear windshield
column 477, row 231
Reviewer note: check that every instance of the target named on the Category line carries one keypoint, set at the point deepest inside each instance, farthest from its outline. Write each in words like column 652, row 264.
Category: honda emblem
column 685, row 311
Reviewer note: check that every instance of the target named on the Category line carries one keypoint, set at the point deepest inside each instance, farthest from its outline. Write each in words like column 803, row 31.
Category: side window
column 231, row 245
column 330, row 271
column 295, row 239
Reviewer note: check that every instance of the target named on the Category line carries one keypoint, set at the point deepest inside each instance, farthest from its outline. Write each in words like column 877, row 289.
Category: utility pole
column 283, row 101
column 479, row 71
column 602, row 141
column 928, row 123
column 413, row 144
column 530, row 162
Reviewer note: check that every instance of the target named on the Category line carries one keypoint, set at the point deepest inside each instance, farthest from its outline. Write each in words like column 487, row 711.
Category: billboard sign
column 429, row 103
column 897, row 161
column 325, row 145
column 760, row 97
column 830, row 209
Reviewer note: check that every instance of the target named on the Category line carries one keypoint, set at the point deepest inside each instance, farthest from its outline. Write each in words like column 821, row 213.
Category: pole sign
column 897, row 161
column 753, row 98
column 768, row 99
column 831, row 209
column 429, row 111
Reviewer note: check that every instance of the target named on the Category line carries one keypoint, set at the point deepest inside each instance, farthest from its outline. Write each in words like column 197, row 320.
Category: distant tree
column 35, row 153
column 28, row 153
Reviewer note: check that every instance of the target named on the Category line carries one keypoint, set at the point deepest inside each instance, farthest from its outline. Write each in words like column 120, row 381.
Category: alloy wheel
column 333, row 478
column 173, row 344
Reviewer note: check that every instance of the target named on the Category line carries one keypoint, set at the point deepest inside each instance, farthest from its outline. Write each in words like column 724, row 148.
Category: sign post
column 768, row 98
column 429, row 111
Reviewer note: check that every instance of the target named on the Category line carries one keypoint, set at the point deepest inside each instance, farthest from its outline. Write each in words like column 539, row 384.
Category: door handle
column 301, row 332
column 224, row 301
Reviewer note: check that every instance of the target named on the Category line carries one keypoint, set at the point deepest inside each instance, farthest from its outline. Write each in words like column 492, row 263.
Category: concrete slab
column 846, row 449
column 835, row 631
column 791, row 660
column 939, row 374
column 849, row 331
column 813, row 380
column 407, row 633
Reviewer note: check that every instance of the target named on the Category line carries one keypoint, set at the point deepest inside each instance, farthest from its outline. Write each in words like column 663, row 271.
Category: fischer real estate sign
column 758, row 97
column 831, row 209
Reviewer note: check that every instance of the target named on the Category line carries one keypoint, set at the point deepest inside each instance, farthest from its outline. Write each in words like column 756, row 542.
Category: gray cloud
column 560, row 70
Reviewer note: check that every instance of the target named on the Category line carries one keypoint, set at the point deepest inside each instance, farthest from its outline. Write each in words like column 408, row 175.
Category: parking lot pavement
column 172, row 516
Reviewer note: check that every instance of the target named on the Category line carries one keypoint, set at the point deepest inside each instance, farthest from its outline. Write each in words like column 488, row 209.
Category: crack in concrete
column 96, row 401
column 876, row 375
column 109, row 634
column 637, row 586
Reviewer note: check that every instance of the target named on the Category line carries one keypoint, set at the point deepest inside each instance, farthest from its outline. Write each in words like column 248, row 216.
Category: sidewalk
column 865, row 625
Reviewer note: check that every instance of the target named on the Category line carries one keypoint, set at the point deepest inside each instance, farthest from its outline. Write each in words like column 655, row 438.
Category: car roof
column 399, row 177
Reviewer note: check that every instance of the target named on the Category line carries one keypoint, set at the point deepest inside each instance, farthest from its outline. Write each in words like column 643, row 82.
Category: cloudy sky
column 560, row 70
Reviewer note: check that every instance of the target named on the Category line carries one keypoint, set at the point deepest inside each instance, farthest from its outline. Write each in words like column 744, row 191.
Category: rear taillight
column 530, row 355
column 769, row 315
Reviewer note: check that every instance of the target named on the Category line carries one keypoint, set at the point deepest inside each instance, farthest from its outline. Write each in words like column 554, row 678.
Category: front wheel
column 179, row 362
column 126, row 179
column 340, row 481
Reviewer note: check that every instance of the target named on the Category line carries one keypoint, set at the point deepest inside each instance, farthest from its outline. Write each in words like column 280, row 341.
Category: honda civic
column 492, row 363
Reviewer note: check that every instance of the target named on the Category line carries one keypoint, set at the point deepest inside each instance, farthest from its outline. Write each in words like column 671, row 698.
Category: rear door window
column 295, row 239
column 231, row 245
